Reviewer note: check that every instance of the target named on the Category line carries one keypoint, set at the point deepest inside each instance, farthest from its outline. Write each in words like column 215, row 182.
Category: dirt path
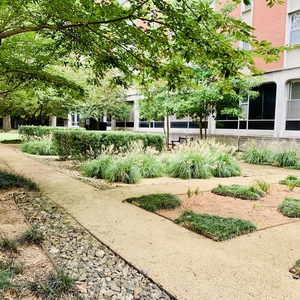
column 253, row 266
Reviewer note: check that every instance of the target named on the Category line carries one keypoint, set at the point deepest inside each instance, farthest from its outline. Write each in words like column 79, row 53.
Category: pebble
column 100, row 273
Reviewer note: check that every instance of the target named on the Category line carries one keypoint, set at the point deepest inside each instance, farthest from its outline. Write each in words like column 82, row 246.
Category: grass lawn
column 8, row 136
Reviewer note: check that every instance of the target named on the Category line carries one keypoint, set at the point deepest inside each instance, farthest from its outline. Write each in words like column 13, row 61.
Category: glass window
column 295, row 29
column 248, row 6
column 293, row 103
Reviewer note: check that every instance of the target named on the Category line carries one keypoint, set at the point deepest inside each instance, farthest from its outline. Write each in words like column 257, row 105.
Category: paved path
column 189, row 266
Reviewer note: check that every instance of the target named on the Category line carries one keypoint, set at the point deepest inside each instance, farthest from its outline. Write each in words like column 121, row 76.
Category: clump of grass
column 262, row 185
column 153, row 202
column 123, row 170
column 56, row 285
column 286, row 158
column 31, row 236
column 96, row 167
column 40, row 147
column 8, row 270
column 9, row 180
column 9, row 245
column 296, row 268
column 291, row 181
column 238, row 191
column 290, row 208
column 225, row 165
column 215, row 227
column 257, row 156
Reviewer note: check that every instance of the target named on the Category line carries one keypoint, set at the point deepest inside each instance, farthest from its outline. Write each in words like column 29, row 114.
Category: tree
column 203, row 95
column 108, row 34
column 107, row 98
column 156, row 103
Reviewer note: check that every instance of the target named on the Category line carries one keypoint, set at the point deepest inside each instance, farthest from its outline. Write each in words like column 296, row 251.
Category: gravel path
column 98, row 271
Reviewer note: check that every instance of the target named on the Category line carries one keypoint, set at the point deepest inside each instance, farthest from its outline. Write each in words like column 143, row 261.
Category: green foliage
column 291, row 181
column 9, row 180
column 8, row 244
column 189, row 165
column 262, row 185
column 56, row 285
column 225, row 165
column 96, row 167
column 31, row 236
column 92, row 143
column 41, row 132
column 239, row 191
column 44, row 147
column 290, row 207
column 257, row 156
column 215, row 227
column 286, row 158
column 150, row 166
column 8, row 270
column 154, row 202
column 123, row 170
column 203, row 159
column 296, row 268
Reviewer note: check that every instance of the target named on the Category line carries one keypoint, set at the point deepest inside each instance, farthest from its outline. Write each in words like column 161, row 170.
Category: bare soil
column 263, row 213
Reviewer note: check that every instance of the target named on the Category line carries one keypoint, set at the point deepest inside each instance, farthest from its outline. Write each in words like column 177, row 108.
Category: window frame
column 294, row 30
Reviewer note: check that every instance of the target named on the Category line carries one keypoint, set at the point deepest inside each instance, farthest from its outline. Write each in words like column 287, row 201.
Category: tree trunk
column 168, row 131
column 200, row 128
column 205, row 128
column 6, row 124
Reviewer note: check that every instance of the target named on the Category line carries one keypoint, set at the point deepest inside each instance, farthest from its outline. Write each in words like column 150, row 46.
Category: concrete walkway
column 189, row 266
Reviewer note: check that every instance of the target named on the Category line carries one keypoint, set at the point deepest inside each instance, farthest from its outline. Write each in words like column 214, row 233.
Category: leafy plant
column 56, row 285
column 123, row 170
column 296, row 268
column 215, row 227
column 286, row 158
column 239, row 191
column 8, row 270
column 8, row 180
column 290, row 208
column 31, row 236
column 154, row 202
column 291, row 181
column 262, row 184
column 8, row 244
column 96, row 167
column 225, row 165
column 43, row 147
column 257, row 156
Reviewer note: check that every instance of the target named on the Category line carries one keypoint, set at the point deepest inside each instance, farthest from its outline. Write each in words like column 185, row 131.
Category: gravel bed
column 98, row 272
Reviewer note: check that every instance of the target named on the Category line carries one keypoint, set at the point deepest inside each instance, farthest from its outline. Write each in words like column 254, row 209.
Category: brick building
column 276, row 112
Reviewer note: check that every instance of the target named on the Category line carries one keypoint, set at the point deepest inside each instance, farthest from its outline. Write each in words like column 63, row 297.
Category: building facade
column 276, row 112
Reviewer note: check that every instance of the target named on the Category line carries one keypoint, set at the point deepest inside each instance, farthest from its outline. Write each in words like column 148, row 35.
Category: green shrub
column 153, row 202
column 91, row 143
column 45, row 147
column 122, row 170
column 215, row 227
column 225, row 165
column 187, row 165
column 150, row 166
column 9, row 180
column 41, row 132
column 286, row 158
column 257, row 156
column 96, row 167
column 290, row 208
column 291, row 181
column 239, row 191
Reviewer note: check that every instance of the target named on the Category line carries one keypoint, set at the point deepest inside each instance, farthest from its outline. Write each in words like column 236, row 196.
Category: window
column 246, row 46
column 248, row 6
column 293, row 103
column 295, row 29
column 75, row 120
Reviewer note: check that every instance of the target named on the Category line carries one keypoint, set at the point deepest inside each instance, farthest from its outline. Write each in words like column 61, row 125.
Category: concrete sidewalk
column 189, row 266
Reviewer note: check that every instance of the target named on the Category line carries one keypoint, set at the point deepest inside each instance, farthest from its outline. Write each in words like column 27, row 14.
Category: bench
column 181, row 140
